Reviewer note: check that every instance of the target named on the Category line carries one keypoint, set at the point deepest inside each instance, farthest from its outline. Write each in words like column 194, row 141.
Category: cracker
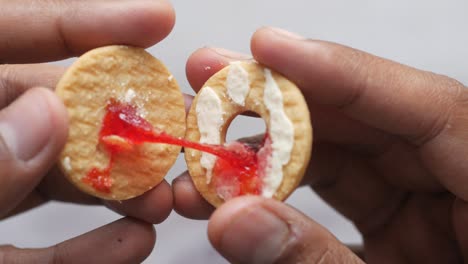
column 130, row 75
column 295, row 108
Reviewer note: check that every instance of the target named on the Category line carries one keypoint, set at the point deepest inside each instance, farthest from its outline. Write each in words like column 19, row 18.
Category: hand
column 33, row 121
column 389, row 154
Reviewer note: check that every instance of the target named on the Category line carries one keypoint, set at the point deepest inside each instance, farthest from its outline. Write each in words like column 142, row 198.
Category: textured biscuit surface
column 124, row 74
column 295, row 108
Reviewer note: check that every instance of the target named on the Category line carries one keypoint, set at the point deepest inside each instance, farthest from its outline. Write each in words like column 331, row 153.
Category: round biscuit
column 130, row 75
column 295, row 108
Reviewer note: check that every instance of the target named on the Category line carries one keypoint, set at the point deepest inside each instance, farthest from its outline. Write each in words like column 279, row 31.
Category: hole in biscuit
column 246, row 129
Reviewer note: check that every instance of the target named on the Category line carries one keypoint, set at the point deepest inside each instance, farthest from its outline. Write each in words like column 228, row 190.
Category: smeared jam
column 238, row 169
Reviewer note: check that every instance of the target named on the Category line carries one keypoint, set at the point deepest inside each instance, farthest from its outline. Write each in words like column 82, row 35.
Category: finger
column 257, row 230
column 187, row 200
column 33, row 130
column 124, row 241
column 380, row 93
column 16, row 79
column 425, row 109
column 205, row 62
column 153, row 206
column 52, row 30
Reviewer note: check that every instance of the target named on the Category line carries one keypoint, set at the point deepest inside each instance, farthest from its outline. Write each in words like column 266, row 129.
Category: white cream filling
column 281, row 132
column 210, row 120
column 237, row 84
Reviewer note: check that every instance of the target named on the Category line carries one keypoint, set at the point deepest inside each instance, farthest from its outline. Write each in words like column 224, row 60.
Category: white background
column 426, row 34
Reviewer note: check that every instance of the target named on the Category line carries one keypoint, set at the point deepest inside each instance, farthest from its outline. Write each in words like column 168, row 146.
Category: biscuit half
column 133, row 76
column 295, row 108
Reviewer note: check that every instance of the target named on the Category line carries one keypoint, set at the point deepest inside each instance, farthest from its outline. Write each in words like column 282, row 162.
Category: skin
column 33, row 121
column 369, row 114
column 389, row 154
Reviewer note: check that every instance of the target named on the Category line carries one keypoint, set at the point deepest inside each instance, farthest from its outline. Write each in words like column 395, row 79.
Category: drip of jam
column 235, row 171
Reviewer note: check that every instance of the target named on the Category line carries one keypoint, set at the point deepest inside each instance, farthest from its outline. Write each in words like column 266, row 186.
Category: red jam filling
column 236, row 171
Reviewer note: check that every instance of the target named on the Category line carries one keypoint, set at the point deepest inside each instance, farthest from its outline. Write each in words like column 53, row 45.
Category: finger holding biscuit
column 33, row 120
column 126, row 240
column 253, row 229
column 388, row 143
column 70, row 30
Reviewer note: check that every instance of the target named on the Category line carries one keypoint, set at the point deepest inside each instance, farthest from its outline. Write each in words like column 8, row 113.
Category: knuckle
column 305, row 245
column 11, row 255
column 7, row 79
column 453, row 93
column 7, row 254
column 340, row 62
column 337, row 253
column 325, row 256
column 63, row 38
column 457, row 110
column 62, row 10
column 57, row 255
column 320, row 252
column 445, row 95
column 446, row 88
column 353, row 62
column 67, row 9
column 458, row 91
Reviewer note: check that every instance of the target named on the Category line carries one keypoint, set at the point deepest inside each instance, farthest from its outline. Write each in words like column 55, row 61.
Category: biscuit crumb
column 67, row 164
column 170, row 78
column 129, row 95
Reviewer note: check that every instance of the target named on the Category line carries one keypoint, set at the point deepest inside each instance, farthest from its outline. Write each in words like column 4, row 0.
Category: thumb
column 258, row 230
column 33, row 130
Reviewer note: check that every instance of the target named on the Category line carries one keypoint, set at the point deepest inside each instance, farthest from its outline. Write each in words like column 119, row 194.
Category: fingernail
column 255, row 236
column 230, row 54
column 287, row 34
column 25, row 126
